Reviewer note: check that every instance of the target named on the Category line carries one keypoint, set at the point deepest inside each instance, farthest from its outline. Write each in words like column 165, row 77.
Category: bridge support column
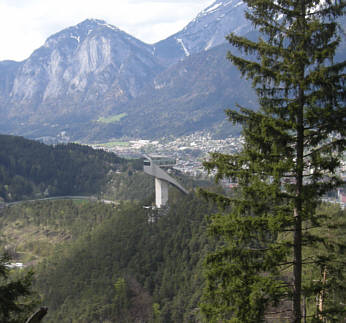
column 161, row 193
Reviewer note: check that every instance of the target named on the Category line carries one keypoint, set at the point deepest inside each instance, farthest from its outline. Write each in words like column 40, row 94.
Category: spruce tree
column 17, row 299
column 292, row 151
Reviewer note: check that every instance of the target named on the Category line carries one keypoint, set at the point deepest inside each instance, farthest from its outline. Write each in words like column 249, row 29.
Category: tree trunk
column 297, row 269
column 321, row 296
column 297, row 239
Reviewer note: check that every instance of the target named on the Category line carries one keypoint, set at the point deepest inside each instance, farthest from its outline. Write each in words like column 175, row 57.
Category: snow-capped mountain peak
column 81, row 31
column 219, row 5
column 95, row 23
column 207, row 30
column 92, row 61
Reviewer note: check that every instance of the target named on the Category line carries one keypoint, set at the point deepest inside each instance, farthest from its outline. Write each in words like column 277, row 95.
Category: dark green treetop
column 292, row 151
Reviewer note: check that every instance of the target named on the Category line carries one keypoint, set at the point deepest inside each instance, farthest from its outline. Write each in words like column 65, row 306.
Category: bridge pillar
column 162, row 178
column 161, row 192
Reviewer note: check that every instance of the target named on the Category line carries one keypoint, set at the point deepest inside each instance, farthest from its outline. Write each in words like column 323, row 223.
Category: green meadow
column 112, row 119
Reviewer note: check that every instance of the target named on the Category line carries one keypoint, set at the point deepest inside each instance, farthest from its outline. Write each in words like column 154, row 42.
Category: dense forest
column 30, row 231
column 95, row 262
column 31, row 169
column 103, row 263
column 123, row 262
column 130, row 269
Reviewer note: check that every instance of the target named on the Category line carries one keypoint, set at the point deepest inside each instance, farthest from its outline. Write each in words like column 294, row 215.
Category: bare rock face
column 90, row 65
column 93, row 72
column 92, row 69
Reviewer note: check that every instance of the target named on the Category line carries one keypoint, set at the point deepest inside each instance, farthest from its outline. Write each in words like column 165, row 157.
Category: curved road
column 89, row 198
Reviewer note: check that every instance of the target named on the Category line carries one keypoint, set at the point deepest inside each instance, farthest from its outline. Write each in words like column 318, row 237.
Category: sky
column 26, row 24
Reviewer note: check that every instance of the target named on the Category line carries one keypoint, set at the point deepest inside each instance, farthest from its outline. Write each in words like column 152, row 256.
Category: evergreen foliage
column 16, row 296
column 131, row 186
column 324, row 280
column 99, row 262
column 104, row 263
column 30, row 231
column 30, row 169
column 129, row 269
column 293, row 146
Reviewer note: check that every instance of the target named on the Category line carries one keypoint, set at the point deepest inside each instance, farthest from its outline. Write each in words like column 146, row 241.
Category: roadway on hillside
column 53, row 198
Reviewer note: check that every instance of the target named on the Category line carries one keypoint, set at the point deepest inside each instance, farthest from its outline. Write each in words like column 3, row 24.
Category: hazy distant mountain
column 206, row 31
column 80, row 70
column 94, row 81
column 94, row 70
column 186, row 97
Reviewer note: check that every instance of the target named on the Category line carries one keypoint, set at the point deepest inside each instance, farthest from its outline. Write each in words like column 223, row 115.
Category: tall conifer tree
column 292, row 150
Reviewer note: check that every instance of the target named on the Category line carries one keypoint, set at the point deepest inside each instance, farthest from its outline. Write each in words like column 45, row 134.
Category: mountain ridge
column 94, row 71
column 207, row 30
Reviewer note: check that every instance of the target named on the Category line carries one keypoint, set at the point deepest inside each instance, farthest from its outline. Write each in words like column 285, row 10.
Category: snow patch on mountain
column 104, row 23
column 209, row 29
column 91, row 62
column 75, row 37
column 180, row 41
column 210, row 44
column 238, row 4
column 213, row 7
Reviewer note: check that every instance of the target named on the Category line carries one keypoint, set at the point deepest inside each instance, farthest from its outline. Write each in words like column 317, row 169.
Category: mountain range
column 94, row 81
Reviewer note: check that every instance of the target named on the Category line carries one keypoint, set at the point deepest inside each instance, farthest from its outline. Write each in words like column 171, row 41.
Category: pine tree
column 292, row 151
column 17, row 299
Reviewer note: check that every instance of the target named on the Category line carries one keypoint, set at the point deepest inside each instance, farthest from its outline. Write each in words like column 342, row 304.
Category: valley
column 102, row 261
column 189, row 151
column 256, row 126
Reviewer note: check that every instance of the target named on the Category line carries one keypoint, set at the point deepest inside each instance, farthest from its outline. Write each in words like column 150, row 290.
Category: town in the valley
column 190, row 151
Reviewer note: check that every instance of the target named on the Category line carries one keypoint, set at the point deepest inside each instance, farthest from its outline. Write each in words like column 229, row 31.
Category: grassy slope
column 31, row 231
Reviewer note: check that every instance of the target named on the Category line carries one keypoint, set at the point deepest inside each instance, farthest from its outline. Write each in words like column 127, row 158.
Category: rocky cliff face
column 94, row 69
column 85, row 67
column 91, row 70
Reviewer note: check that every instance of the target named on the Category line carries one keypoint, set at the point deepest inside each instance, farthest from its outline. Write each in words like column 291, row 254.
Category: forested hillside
column 122, row 262
column 31, row 169
column 95, row 262
column 129, row 269
column 102, row 263
column 30, row 231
